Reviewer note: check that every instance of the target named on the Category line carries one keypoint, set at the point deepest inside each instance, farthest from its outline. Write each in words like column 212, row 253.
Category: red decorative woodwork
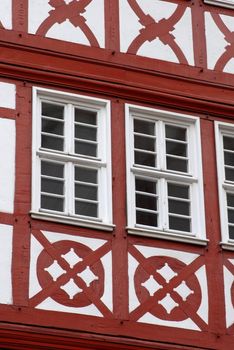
column 131, row 292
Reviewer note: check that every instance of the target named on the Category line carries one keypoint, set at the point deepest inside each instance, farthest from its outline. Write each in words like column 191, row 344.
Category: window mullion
column 70, row 188
column 161, row 164
column 161, row 145
column 163, row 208
column 69, row 129
column 192, row 168
column 39, row 124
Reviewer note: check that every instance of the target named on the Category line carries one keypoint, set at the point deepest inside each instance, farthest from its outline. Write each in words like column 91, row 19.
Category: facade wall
column 134, row 289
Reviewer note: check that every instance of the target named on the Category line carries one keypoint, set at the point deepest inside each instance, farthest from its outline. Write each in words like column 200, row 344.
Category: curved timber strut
column 161, row 30
column 73, row 12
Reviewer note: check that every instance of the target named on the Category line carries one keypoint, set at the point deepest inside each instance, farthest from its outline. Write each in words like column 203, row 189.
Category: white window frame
column 193, row 177
column 102, row 162
column 221, row 3
column 224, row 186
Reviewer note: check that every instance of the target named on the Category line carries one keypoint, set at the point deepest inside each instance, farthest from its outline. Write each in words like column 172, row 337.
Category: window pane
column 52, row 143
column 146, row 202
column 145, row 143
column 175, row 148
column 179, row 191
column 51, row 203
column 145, row 186
column 86, row 175
column 51, row 186
column 85, row 116
column 52, row 110
column 148, row 219
column 52, row 169
column 230, row 200
column 231, row 232
column 179, row 207
column 177, row 164
column 86, row 209
column 85, row 191
column 144, row 127
column 52, row 126
column 146, row 159
column 86, row 149
column 231, row 216
column 229, row 158
column 176, row 132
column 228, row 143
column 180, row 224
column 229, row 174
column 85, row 133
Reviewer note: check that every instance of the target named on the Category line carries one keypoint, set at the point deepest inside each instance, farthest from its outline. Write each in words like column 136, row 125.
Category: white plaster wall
column 7, row 161
column 216, row 47
column 7, row 95
column 67, row 32
column 107, row 297
column 229, row 68
column 95, row 20
column 6, row 232
column 184, row 36
column 157, row 49
column 38, row 11
column 50, row 304
column 228, row 282
column 129, row 25
column 6, row 13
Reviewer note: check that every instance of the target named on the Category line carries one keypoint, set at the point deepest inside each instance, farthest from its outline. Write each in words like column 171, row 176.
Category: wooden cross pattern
column 71, row 273
column 167, row 288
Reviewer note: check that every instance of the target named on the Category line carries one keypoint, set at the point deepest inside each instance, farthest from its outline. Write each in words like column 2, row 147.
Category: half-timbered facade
column 117, row 174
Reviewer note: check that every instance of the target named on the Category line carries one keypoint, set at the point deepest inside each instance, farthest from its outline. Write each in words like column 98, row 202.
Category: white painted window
column 224, row 133
column 164, row 175
column 71, row 159
column 222, row 3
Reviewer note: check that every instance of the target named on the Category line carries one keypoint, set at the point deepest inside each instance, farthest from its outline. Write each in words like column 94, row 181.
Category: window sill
column 72, row 221
column 227, row 245
column 168, row 236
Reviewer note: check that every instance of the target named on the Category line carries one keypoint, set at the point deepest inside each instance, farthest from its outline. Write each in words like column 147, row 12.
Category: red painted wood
column 170, row 91
column 21, row 233
column 120, row 273
column 7, row 113
column 199, row 39
column 213, row 255
column 20, row 15
column 112, row 40
column 20, row 337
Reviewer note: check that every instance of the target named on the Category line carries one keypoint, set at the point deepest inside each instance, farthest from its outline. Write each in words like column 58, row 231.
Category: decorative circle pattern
column 162, row 268
column 45, row 277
